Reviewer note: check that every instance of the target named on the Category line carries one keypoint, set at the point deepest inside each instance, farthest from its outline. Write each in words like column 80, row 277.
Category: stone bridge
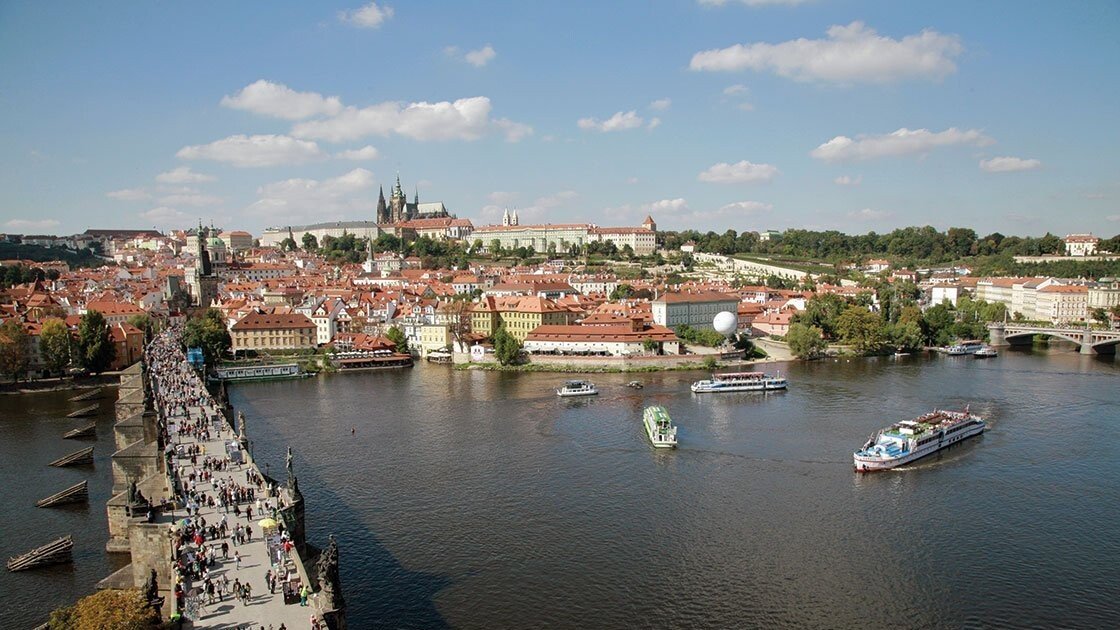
column 1090, row 340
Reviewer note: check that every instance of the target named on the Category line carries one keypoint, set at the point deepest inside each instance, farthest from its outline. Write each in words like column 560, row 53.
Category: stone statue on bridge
column 241, row 425
column 330, row 588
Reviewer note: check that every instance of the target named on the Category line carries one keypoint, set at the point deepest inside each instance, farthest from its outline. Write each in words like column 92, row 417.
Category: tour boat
column 987, row 352
column 740, row 382
column 964, row 347
column 906, row 441
column 659, row 427
column 577, row 388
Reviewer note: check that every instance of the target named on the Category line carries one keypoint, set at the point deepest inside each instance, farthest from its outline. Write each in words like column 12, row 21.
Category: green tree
column 146, row 324
column 937, row 324
column 805, row 342
column 905, row 335
column 621, row 292
column 208, row 331
column 288, row 245
column 310, row 243
column 507, row 350
column 496, row 249
column 1099, row 314
column 822, row 310
column 861, row 329
column 54, row 345
column 15, row 346
column 396, row 335
column 95, row 345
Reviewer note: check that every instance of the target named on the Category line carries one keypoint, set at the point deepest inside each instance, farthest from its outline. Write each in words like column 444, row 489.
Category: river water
column 481, row 500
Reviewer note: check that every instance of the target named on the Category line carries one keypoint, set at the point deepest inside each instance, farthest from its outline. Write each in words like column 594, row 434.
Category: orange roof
column 261, row 321
column 600, row 334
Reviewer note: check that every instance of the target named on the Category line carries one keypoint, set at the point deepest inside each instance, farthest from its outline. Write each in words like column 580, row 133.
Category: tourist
column 303, row 593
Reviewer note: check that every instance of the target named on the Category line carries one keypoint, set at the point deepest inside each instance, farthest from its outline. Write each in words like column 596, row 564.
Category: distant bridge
column 1098, row 341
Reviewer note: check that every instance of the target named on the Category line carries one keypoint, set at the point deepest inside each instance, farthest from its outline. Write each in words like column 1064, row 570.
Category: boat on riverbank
column 964, row 347
column 272, row 372
column 740, row 382
column 577, row 388
column 659, row 427
column 986, row 352
column 909, row 440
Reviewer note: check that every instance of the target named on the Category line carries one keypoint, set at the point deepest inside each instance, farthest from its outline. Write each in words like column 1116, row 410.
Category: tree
column 805, row 342
column 506, row 348
column 111, row 608
column 822, row 310
column 1099, row 314
column 310, row 242
column 15, row 355
column 905, row 335
column 496, row 249
column 396, row 335
column 287, row 244
column 95, row 345
column 208, row 332
column 146, row 324
column 861, row 329
column 621, row 292
column 937, row 324
column 54, row 345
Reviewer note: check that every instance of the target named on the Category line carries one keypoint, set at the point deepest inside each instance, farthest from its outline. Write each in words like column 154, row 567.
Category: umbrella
column 266, row 523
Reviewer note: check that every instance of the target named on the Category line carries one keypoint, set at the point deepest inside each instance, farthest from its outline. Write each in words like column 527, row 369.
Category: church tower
column 649, row 224
column 398, row 202
column 505, row 217
column 382, row 211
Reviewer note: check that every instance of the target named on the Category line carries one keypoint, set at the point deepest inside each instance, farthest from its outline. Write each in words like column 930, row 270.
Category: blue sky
column 709, row 114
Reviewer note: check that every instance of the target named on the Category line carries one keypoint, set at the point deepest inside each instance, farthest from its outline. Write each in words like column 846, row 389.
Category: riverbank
column 61, row 384
column 614, row 365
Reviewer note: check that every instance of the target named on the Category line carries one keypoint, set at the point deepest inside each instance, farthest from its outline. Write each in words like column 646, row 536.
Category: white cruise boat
column 577, row 388
column 740, row 382
column 909, row 440
column 964, row 347
column 659, row 427
column 987, row 352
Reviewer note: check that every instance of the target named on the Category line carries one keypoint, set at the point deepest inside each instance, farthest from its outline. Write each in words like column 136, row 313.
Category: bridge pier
column 1087, row 343
column 996, row 335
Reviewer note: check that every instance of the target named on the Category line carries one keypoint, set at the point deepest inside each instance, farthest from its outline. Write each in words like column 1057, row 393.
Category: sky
column 706, row 114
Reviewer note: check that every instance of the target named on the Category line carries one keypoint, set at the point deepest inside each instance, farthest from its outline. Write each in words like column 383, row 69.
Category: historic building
column 562, row 236
column 201, row 277
column 398, row 210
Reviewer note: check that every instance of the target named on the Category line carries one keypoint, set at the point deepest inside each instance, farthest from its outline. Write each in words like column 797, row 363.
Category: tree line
column 919, row 245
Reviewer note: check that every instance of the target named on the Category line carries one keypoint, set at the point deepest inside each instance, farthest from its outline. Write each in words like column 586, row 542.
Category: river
column 470, row 499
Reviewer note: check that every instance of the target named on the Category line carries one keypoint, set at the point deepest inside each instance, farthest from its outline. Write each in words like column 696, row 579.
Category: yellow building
column 519, row 314
column 260, row 331
column 434, row 337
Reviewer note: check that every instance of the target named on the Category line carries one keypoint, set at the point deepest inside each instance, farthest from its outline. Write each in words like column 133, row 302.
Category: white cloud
column 731, row 90
column 851, row 54
column 1113, row 217
column 620, row 121
column 746, row 107
column 464, row 119
column 514, row 131
column 368, row 16
column 1093, row 195
column 632, row 180
column 183, row 175
column 249, row 151
column 667, row 206
column 480, row 57
column 654, row 123
column 743, row 172
column 129, row 194
column 31, row 224
column 280, row 101
column 867, row 214
column 661, row 104
column 901, row 142
column 746, row 207
column 845, row 180
column 501, row 196
column 365, row 153
column 1008, row 165
column 300, row 199
column 164, row 216
column 190, row 199
column 751, row 3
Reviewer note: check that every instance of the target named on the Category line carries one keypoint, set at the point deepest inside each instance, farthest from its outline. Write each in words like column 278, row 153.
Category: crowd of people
column 206, row 488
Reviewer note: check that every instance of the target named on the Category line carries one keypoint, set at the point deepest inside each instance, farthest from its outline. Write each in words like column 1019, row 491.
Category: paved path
column 263, row 609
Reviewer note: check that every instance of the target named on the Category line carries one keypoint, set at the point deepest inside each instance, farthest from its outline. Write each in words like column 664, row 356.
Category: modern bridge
column 1090, row 340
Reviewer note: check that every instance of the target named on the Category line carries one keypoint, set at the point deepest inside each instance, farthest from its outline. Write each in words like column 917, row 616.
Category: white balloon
column 725, row 323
